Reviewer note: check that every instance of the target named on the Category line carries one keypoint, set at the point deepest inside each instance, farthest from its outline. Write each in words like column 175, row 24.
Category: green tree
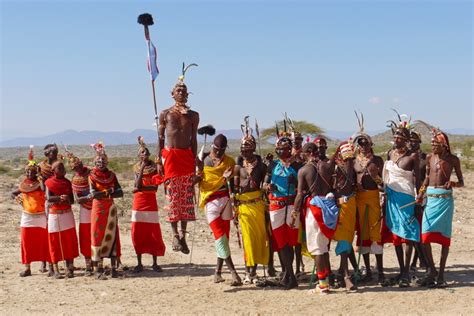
column 303, row 127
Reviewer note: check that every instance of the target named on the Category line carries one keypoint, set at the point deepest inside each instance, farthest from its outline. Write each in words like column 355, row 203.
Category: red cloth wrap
column 34, row 244
column 178, row 162
column 145, row 200
column 85, row 239
column 147, row 238
column 68, row 240
column 59, row 187
column 435, row 237
column 318, row 216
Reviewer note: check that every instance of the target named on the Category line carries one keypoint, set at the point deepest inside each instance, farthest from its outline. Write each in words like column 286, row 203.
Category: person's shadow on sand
column 170, row 270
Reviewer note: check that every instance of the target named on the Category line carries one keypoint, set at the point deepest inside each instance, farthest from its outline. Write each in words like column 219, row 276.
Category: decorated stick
column 146, row 20
column 257, row 130
column 205, row 130
column 232, row 196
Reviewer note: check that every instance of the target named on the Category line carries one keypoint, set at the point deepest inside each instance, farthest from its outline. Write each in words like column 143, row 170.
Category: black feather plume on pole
column 145, row 19
column 206, row 130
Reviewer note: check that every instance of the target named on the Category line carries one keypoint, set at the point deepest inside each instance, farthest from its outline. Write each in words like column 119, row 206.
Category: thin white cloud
column 375, row 100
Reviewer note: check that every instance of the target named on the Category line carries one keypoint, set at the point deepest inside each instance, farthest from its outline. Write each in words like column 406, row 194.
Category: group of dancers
column 294, row 201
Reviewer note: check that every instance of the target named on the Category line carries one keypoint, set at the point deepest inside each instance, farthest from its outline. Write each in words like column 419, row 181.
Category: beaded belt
column 440, row 196
column 282, row 203
column 59, row 211
column 241, row 202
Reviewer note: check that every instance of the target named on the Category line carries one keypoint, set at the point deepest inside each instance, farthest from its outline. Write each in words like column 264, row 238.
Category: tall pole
column 146, row 20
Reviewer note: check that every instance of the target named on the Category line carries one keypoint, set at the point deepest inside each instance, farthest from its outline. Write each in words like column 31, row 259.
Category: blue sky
column 82, row 64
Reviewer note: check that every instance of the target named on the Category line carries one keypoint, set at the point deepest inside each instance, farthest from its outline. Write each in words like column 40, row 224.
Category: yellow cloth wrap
column 346, row 222
column 213, row 180
column 371, row 230
column 252, row 224
column 302, row 241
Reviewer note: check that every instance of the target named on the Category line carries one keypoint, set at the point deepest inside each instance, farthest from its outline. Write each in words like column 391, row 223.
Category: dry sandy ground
column 171, row 292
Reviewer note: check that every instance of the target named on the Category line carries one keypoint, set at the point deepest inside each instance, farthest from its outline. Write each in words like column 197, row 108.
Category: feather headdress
column 437, row 135
column 361, row 134
column 73, row 160
column 248, row 141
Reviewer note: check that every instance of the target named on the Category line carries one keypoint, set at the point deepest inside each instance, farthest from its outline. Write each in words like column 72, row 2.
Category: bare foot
column 184, row 246
column 43, row 268
column 114, row 274
column 292, row 283
column 247, row 279
column 441, row 283
column 176, row 245
column 100, row 276
column 70, row 274
column 25, row 273
column 138, row 268
column 218, row 278
column 271, row 271
column 57, row 275
column 156, row 268
column 367, row 277
column 349, row 285
column 236, row 280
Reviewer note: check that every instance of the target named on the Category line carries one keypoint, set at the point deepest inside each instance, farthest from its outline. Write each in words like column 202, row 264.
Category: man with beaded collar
column 105, row 239
column 368, row 168
column 401, row 177
column 214, row 173
column 34, row 234
column 81, row 191
column 297, row 156
column 345, row 186
column 146, row 230
column 438, row 213
column 280, row 184
column 414, row 145
column 316, row 201
column 249, row 173
column 176, row 161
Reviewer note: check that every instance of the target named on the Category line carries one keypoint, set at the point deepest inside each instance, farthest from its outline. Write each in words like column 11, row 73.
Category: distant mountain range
column 73, row 137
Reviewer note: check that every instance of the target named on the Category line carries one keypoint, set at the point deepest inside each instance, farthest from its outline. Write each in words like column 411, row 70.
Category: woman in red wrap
column 146, row 230
column 61, row 225
column 81, row 191
column 104, row 187
column 34, row 235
